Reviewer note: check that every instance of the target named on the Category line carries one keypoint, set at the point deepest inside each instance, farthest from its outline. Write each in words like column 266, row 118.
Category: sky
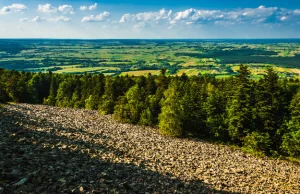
column 151, row 19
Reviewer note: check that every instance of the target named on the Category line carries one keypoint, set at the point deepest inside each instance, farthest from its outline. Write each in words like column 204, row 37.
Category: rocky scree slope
column 52, row 150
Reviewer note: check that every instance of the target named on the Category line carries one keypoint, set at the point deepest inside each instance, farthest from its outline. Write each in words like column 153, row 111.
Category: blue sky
column 149, row 19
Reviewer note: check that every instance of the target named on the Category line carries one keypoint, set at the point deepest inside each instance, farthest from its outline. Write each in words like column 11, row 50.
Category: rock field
column 52, row 150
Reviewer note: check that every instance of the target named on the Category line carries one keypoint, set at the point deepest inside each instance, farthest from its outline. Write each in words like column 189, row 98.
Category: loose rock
column 62, row 150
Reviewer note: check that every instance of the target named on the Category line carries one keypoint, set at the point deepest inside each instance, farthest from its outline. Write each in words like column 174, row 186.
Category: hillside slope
column 47, row 149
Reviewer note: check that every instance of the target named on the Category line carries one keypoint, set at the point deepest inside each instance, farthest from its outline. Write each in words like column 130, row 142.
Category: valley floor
column 52, row 150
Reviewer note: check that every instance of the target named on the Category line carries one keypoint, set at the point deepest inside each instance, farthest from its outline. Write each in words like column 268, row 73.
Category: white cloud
column 162, row 14
column 93, row 7
column 297, row 11
column 83, row 8
column 98, row 18
column 283, row 18
column 41, row 19
column 127, row 17
column 24, row 20
column 158, row 19
column 261, row 11
column 66, row 9
column 152, row 16
column 47, row 8
column 138, row 26
column 184, row 14
column 59, row 19
column 252, row 15
column 173, row 22
column 12, row 8
column 38, row 19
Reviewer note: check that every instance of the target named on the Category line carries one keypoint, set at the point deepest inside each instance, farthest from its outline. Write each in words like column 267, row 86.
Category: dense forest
column 261, row 116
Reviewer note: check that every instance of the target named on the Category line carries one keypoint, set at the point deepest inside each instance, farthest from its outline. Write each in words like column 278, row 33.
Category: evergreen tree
column 263, row 115
column 291, row 140
column 240, row 114
column 270, row 107
column 171, row 116
column 76, row 101
column 93, row 100
column 107, row 101
column 150, row 85
column 215, row 107
column 268, row 103
column 65, row 93
column 192, row 102
column 3, row 93
column 54, row 84
column 39, row 86
column 131, row 106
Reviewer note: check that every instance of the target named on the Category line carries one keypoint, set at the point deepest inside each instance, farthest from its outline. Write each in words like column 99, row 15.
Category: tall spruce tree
column 215, row 108
column 107, row 102
column 240, row 108
column 291, row 140
column 192, row 103
column 269, row 108
column 54, row 84
column 268, row 103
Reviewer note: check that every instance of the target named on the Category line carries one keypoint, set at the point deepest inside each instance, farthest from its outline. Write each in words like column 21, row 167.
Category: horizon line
column 1, row 38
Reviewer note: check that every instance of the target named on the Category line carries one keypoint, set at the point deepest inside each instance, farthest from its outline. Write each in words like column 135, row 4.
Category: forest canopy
column 262, row 116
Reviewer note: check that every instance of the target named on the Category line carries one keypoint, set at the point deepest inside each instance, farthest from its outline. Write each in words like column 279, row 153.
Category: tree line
column 262, row 116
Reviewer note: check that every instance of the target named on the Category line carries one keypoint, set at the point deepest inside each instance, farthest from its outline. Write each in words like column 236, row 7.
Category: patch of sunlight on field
column 190, row 63
column 139, row 73
column 223, row 76
column 255, row 66
column 257, row 70
column 73, row 69
column 189, row 72
column 288, row 70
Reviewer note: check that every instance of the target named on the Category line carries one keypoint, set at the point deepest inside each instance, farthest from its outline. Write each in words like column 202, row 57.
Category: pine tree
column 192, row 102
column 65, row 93
column 51, row 100
column 240, row 114
column 268, row 103
column 270, row 108
column 215, row 108
column 107, row 102
column 3, row 94
column 291, row 140
column 76, row 101
column 38, row 87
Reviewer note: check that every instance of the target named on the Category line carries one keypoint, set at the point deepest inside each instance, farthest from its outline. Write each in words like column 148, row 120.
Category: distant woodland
column 262, row 116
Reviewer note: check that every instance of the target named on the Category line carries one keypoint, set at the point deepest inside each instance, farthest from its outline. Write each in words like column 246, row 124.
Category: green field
column 137, row 57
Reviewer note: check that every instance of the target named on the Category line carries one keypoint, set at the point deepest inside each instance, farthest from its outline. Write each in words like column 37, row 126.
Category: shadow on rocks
column 33, row 161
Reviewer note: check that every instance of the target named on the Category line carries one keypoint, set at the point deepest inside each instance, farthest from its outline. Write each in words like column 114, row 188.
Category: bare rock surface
column 52, row 150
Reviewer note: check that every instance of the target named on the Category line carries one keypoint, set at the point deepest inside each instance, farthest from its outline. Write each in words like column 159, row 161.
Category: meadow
column 220, row 58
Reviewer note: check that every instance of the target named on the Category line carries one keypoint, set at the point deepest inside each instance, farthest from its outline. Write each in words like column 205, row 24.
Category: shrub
column 257, row 143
